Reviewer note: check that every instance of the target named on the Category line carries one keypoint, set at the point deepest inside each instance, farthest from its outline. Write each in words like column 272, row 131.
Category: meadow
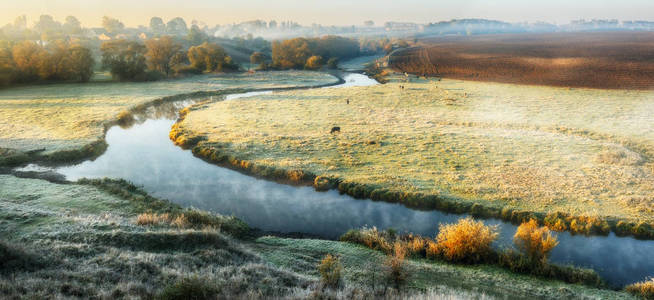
column 68, row 121
column 615, row 60
column 575, row 159
column 96, row 239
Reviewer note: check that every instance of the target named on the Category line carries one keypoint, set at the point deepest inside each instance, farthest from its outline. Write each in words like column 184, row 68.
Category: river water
column 144, row 155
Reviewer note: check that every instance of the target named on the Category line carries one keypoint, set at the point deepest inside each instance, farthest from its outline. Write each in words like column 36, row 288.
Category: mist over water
column 144, row 155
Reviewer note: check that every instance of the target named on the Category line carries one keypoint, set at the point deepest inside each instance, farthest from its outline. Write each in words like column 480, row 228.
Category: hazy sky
column 329, row 12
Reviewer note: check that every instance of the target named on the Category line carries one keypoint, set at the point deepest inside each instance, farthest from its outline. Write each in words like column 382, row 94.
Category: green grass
column 82, row 240
column 535, row 149
column 63, row 119
column 302, row 256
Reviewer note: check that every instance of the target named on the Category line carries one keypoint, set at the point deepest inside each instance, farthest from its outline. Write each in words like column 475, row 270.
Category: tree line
column 162, row 57
column 126, row 60
column 29, row 61
column 312, row 53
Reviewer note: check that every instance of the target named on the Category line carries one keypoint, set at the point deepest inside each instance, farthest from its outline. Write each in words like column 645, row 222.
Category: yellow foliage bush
column 535, row 241
column 643, row 289
column 466, row 241
column 330, row 271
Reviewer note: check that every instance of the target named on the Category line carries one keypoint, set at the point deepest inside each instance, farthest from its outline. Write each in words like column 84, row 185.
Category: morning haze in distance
column 327, row 149
column 336, row 12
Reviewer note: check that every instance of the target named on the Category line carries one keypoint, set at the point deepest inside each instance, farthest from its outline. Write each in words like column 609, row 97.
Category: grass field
column 84, row 241
column 616, row 60
column 67, row 117
column 583, row 152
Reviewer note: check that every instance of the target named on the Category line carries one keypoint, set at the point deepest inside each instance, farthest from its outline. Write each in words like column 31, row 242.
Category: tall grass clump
column 190, row 288
column 467, row 241
column 644, row 289
column 397, row 275
column 330, row 271
column 534, row 241
column 371, row 238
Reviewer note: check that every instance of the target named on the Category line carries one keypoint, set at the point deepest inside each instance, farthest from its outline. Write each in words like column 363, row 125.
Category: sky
column 328, row 12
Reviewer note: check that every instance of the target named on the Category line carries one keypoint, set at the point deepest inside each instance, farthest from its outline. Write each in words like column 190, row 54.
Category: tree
column 293, row 53
column 48, row 28
column 20, row 23
column 81, row 63
column 196, row 36
column 72, row 25
column 313, row 63
column 160, row 53
column 124, row 59
column 111, row 25
column 54, row 62
column 176, row 26
column 209, row 57
column 26, row 57
column 157, row 25
column 7, row 67
column 257, row 58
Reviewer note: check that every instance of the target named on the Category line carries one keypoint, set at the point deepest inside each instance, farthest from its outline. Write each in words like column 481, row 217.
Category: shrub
column 466, row 241
column 190, row 288
column 535, row 241
column 432, row 250
column 416, row 245
column 643, row 289
column 330, row 271
column 395, row 263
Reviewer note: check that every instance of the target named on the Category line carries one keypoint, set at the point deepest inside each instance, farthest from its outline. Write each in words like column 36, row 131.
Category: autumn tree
column 124, row 59
column 209, row 57
column 26, row 57
column 290, row 54
column 160, row 53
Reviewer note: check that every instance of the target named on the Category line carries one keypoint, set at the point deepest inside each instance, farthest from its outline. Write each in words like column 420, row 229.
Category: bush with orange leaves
column 534, row 241
column 643, row 289
column 467, row 241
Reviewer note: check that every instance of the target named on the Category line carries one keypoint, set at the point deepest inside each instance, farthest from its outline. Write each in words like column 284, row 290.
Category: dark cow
column 335, row 129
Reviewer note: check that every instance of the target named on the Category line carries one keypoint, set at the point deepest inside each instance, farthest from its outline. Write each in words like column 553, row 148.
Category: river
column 144, row 155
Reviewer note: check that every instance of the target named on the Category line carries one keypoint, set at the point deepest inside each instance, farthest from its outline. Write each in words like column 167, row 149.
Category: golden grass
column 152, row 219
column 540, row 149
column 466, row 241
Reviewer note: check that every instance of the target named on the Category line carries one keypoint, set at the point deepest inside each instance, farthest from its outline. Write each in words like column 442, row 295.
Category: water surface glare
column 144, row 155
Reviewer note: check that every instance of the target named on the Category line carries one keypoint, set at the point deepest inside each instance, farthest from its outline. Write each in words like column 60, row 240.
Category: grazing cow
column 347, row 101
column 335, row 129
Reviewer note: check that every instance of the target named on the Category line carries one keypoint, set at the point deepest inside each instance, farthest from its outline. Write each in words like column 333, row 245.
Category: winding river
column 144, row 155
